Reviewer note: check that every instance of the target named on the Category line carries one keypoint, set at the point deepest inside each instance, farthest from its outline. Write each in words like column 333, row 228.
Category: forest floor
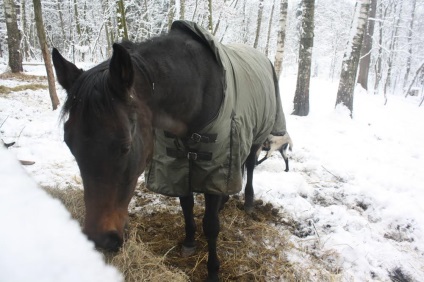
column 349, row 209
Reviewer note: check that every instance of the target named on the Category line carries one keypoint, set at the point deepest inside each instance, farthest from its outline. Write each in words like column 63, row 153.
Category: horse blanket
column 211, row 159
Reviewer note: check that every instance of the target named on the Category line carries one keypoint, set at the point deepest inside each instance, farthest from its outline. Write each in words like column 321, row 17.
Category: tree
column 392, row 53
column 122, row 20
column 259, row 23
column 269, row 28
column 46, row 54
column 410, row 32
column 351, row 56
column 364, row 65
column 13, row 37
column 301, row 97
column 279, row 55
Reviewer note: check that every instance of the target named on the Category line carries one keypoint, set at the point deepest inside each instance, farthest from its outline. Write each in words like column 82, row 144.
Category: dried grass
column 249, row 246
column 22, row 76
column 33, row 82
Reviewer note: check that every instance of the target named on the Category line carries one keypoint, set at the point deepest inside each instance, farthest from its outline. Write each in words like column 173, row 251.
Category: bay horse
column 149, row 107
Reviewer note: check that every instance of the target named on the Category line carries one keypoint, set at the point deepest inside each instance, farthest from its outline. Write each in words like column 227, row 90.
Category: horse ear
column 120, row 67
column 66, row 72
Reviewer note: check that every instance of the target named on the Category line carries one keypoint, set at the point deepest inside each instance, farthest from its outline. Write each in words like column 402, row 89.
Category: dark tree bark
column 46, row 54
column 269, row 28
column 301, row 98
column 351, row 57
column 364, row 64
column 13, row 37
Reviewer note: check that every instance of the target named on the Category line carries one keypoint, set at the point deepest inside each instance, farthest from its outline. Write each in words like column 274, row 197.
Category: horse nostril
column 110, row 241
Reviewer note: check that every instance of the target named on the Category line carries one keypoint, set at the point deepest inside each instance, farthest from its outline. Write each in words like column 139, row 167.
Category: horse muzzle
column 110, row 241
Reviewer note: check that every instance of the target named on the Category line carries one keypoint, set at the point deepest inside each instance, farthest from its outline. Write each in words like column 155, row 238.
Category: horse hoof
column 187, row 251
column 213, row 278
column 248, row 209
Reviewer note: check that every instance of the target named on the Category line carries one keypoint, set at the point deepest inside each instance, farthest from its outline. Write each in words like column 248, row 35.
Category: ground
column 349, row 209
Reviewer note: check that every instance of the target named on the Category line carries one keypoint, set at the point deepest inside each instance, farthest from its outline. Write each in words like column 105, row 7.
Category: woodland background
column 84, row 31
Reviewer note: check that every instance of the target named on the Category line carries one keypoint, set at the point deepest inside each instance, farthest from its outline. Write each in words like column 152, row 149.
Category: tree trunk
column 279, row 55
column 409, row 59
column 259, row 23
column 13, row 37
column 122, row 21
column 364, row 64
column 378, row 68
column 269, row 28
column 301, row 97
column 420, row 69
column 46, row 54
column 182, row 9
column 393, row 41
column 62, row 23
column 171, row 13
column 351, row 57
column 210, row 20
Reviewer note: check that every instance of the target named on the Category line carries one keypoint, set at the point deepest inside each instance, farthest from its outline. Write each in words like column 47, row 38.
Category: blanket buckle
column 192, row 156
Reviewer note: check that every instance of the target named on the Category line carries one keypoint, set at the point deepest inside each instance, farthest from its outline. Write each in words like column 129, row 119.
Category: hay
column 134, row 260
column 22, row 76
column 250, row 247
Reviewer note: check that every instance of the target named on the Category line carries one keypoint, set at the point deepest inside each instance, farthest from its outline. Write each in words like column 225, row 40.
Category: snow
column 355, row 187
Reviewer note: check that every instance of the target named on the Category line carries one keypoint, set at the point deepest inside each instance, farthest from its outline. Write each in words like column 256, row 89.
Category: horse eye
column 125, row 149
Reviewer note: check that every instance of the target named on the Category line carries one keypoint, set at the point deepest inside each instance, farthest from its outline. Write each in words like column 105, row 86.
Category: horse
column 164, row 107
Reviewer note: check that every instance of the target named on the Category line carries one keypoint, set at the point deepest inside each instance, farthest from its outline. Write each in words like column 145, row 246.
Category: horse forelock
column 91, row 95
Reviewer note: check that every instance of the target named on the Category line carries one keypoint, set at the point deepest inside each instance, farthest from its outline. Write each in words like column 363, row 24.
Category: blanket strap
column 194, row 156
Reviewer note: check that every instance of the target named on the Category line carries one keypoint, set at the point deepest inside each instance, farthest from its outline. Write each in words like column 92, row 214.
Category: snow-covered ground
column 355, row 188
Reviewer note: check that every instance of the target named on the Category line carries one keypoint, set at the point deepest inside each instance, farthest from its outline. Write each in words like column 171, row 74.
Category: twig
column 337, row 177
column 4, row 121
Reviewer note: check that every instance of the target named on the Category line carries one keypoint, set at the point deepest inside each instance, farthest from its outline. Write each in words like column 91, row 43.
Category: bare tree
column 410, row 33
column 182, row 9
column 122, row 21
column 46, row 54
column 13, row 37
column 419, row 70
column 259, row 23
column 269, row 28
column 351, row 56
column 301, row 97
column 392, row 51
column 279, row 55
column 364, row 64
column 210, row 20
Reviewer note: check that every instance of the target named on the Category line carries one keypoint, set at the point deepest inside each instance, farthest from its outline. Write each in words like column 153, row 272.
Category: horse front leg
column 248, row 190
column 189, row 244
column 211, row 230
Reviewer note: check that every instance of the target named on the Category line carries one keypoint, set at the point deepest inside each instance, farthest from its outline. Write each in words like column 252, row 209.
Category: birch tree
column 279, row 55
column 13, row 37
column 351, row 56
column 301, row 97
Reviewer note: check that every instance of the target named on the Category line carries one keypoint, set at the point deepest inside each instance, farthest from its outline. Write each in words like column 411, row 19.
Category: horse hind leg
column 211, row 228
column 283, row 151
column 248, row 190
column 189, row 243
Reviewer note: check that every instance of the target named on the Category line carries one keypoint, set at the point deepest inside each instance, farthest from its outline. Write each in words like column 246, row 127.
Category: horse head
column 108, row 129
